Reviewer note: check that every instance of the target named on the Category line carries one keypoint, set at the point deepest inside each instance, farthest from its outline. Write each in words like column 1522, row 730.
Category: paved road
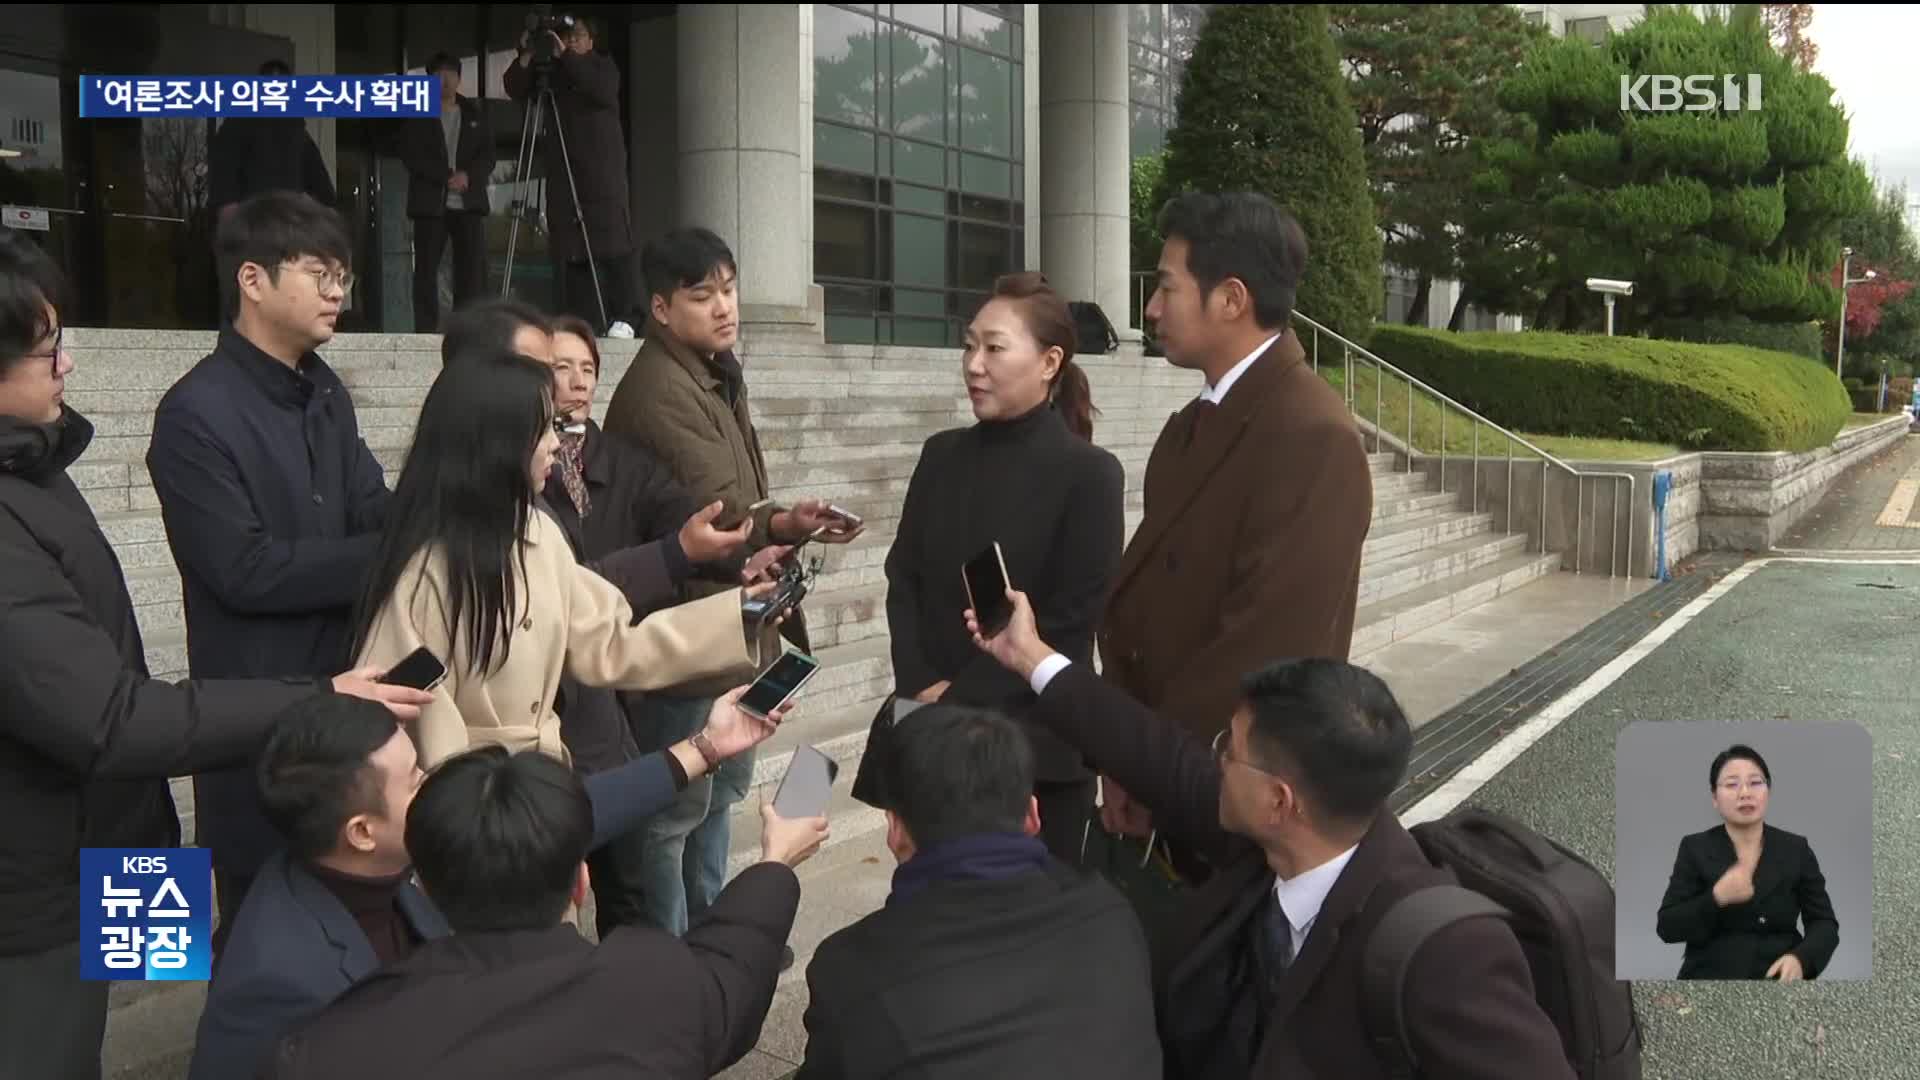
column 1874, row 506
column 1843, row 640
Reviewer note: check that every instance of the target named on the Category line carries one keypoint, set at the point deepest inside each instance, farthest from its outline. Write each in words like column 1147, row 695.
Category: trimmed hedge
column 1707, row 397
column 1800, row 339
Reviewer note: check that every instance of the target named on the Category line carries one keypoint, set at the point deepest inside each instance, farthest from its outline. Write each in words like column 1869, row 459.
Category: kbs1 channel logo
column 146, row 914
column 1690, row 93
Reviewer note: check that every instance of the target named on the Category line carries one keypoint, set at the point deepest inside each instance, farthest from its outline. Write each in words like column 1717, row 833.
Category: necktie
column 1204, row 412
column 573, row 471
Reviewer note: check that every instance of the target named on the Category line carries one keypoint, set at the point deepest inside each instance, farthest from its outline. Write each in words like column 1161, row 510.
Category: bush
column 1264, row 107
column 1800, row 339
column 1706, row 397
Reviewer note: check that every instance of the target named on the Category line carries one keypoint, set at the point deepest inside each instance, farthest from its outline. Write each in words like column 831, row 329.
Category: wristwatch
column 707, row 752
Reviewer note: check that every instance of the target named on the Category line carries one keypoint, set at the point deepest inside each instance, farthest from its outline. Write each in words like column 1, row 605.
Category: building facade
column 875, row 166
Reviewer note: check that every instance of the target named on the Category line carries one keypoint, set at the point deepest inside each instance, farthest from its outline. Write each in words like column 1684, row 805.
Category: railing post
column 1378, row 378
column 1543, row 539
column 1410, row 443
column 1443, row 448
column 1476, row 468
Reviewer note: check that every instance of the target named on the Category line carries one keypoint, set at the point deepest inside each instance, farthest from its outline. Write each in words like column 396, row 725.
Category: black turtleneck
column 1054, row 502
column 374, row 903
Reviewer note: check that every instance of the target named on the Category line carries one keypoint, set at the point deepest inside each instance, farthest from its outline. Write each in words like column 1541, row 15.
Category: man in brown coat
column 685, row 400
column 1258, row 493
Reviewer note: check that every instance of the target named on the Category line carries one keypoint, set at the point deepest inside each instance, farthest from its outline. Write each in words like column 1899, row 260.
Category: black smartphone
column 807, row 787
column 779, row 683
column 421, row 670
column 986, row 579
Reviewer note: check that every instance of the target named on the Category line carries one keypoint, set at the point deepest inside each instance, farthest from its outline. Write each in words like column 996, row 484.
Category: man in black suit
column 1259, row 974
column 449, row 160
column 499, row 841
column 990, row 957
column 338, row 779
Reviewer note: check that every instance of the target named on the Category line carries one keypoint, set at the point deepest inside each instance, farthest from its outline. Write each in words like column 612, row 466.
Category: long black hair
column 465, row 492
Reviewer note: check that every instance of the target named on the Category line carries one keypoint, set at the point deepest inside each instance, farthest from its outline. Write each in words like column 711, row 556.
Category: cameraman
column 586, row 93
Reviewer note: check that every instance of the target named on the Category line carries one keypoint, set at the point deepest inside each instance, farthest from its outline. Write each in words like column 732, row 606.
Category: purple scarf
column 981, row 857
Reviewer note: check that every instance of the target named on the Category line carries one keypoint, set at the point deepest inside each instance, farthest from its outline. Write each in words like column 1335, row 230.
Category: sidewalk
column 1874, row 506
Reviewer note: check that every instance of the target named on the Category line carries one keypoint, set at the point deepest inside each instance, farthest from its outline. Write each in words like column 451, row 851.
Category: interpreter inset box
column 1743, row 851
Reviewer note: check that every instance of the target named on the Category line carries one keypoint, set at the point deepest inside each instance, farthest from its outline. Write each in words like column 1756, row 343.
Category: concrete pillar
column 1029, row 258
column 1084, row 160
column 740, row 149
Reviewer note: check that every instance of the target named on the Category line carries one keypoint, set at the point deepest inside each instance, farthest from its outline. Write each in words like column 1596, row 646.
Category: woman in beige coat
column 469, row 568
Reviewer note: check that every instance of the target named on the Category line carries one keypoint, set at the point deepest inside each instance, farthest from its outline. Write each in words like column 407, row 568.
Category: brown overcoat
column 1250, row 548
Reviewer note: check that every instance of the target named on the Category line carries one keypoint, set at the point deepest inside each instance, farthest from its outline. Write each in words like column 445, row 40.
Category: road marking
column 1900, row 504
column 1461, row 786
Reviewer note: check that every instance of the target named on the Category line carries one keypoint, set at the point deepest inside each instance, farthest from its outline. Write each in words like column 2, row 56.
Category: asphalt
column 1792, row 642
column 1861, row 512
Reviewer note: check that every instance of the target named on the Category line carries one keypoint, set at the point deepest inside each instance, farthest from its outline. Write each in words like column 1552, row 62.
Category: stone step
column 1391, row 577
column 1381, row 624
column 1405, row 535
column 849, row 674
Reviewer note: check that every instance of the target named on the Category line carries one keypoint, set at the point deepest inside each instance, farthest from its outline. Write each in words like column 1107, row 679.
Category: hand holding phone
column 421, row 670
column 807, row 787
column 985, row 576
column 777, row 685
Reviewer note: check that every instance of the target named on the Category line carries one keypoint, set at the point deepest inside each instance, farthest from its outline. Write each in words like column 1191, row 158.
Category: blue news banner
column 146, row 914
column 105, row 97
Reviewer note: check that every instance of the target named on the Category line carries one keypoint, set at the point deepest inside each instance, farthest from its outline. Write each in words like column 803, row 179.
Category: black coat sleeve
column 227, row 158
column 644, row 575
column 313, row 173
column 594, row 77
column 1157, row 762
column 1688, row 913
column 1816, row 911
column 480, row 157
column 625, row 796
column 417, row 151
column 65, row 691
column 1068, row 603
column 912, row 671
column 214, row 531
column 737, row 944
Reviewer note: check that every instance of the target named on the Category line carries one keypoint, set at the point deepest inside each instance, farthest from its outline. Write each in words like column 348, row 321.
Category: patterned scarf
column 573, row 471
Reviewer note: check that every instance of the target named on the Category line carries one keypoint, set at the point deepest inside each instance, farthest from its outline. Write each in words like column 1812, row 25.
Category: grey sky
column 1866, row 53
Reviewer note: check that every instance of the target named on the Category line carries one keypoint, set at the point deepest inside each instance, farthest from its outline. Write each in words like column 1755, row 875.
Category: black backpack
column 1560, row 908
column 1093, row 329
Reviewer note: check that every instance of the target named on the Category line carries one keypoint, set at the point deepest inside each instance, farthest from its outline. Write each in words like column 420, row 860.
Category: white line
column 1461, row 786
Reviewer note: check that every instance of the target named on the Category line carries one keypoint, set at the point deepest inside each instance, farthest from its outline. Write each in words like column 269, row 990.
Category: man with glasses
column 271, row 499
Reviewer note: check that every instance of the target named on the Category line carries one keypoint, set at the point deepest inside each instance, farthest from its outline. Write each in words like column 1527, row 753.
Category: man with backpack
column 1260, row 970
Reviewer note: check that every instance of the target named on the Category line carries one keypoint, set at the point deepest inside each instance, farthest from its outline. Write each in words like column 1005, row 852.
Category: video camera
column 540, row 22
column 789, row 589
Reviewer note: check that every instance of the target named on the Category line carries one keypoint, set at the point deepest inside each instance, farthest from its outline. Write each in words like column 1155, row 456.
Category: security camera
column 1608, row 285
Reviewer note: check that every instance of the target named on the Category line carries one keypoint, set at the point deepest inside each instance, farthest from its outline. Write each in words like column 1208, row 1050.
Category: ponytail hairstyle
column 1050, row 322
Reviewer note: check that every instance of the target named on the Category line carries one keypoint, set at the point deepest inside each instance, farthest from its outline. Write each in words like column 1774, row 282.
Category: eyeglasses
column 324, row 278
column 59, row 334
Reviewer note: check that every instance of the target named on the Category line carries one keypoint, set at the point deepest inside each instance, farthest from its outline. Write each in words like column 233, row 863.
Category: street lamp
column 1846, row 282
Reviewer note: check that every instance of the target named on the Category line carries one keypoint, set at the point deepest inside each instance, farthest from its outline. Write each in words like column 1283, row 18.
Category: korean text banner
column 119, row 96
column 146, row 914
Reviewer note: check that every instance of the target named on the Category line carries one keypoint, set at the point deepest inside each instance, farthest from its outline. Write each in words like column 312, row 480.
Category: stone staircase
column 840, row 422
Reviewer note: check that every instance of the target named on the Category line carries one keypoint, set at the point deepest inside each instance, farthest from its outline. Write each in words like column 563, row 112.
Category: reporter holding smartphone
column 1028, row 477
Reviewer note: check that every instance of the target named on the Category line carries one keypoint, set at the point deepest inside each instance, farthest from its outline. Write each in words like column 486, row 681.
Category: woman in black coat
column 1027, row 476
column 87, row 740
column 1740, row 890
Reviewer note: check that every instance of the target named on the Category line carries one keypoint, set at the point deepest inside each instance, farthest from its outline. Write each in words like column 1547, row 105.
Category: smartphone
column 986, row 579
column 779, row 683
column 421, row 670
column 728, row 523
column 853, row 520
column 807, row 787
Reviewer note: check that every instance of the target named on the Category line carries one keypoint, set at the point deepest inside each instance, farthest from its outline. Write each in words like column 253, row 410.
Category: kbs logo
column 1693, row 93
column 146, row 914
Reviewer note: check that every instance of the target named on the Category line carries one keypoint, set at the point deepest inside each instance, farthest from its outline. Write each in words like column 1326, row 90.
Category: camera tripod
column 541, row 108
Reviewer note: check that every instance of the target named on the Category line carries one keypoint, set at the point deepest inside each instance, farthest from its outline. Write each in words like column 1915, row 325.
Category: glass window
column 842, row 148
column 986, row 176
column 844, row 241
column 919, row 85
column 925, row 16
column 910, row 197
column 920, row 162
column 986, row 103
column 844, row 86
column 931, row 333
column 985, row 254
column 919, row 250
column 918, row 302
column 989, row 32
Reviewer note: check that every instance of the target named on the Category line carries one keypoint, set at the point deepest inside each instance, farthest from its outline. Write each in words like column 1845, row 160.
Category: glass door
column 45, row 196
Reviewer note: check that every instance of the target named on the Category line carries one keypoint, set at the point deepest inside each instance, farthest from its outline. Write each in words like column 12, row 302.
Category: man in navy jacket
column 272, row 501
column 338, row 776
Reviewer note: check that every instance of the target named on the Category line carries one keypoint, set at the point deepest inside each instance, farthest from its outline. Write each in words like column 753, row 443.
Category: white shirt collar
column 1218, row 394
column 1302, row 895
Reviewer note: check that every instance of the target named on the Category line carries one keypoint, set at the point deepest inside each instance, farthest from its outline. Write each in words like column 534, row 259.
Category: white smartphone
column 777, row 685
column 807, row 787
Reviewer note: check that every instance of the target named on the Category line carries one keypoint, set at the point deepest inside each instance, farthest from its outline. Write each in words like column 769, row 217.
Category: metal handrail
column 1350, row 350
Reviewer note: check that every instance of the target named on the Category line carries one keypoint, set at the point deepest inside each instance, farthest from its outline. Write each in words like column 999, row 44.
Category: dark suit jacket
column 1470, row 1004
column 550, row 1004
column 423, row 150
column 295, row 948
column 986, row 978
column 1743, row 940
column 1056, row 505
column 1250, row 548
